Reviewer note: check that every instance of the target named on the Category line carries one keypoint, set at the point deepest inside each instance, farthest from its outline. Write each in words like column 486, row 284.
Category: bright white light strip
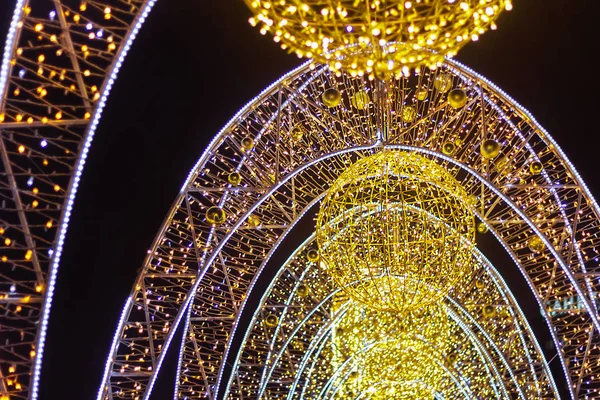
column 115, row 342
column 186, row 326
column 37, row 367
column 10, row 43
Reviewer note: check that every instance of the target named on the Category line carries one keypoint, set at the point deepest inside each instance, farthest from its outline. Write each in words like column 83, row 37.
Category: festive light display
column 392, row 231
column 203, row 275
column 59, row 64
column 328, row 346
column 399, row 353
column 376, row 37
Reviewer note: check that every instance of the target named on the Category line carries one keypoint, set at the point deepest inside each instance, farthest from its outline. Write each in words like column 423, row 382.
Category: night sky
column 193, row 65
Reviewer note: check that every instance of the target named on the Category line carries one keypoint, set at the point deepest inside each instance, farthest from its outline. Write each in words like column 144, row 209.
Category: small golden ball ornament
column 448, row 148
column 253, row 221
column 409, row 114
column 421, row 93
column 501, row 163
column 452, row 358
column 536, row 168
column 490, row 149
column 331, row 98
column 443, row 83
column 457, row 98
column 482, row 228
column 536, row 244
column 216, row 216
column 271, row 321
column 234, row 178
column 247, row 144
column 479, row 284
column 391, row 231
column 312, row 255
column 360, row 100
column 297, row 132
column 488, row 311
column 365, row 37
column 303, row 290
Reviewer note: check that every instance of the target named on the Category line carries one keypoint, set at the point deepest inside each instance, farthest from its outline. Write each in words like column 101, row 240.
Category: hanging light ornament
column 381, row 36
column 391, row 231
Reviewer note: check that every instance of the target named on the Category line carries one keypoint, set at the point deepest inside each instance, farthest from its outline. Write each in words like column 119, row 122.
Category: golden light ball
column 331, row 98
column 482, row 228
column 247, row 144
column 457, row 98
column 391, row 231
column 253, row 221
column 303, row 290
column 271, row 321
column 360, row 100
column 536, row 168
column 312, row 255
column 536, row 244
column 234, row 178
column 490, row 149
column 409, row 114
column 216, row 216
column 448, row 148
column 297, row 132
column 443, row 83
column 375, row 37
column 421, row 93
column 488, row 311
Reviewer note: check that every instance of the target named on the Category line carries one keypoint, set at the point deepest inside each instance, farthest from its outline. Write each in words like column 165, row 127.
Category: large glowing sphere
column 395, row 231
column 375, row 36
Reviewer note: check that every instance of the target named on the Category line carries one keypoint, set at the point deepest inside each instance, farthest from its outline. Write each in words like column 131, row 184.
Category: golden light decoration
column 391, row 231
column 393, row 359
column 375, row 36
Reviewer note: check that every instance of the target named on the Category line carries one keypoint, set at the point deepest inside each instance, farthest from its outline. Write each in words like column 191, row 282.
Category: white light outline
column 115, row 342
column 47, row 305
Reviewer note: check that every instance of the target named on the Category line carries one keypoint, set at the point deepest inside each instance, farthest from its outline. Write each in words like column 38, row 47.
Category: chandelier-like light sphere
column 376, row 36
column 394, row 231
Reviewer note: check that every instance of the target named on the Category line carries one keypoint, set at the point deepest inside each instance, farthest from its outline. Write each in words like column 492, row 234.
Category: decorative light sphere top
column 391, row 231
column 376, row 36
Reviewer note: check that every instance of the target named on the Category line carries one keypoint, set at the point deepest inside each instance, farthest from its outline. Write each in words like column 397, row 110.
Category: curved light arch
column 206, row 185
column 63, row 122
column 296, row 266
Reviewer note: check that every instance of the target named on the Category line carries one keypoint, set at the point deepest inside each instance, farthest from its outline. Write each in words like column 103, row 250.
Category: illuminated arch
column 280, row 344
column 55, row 78
column 203, row 274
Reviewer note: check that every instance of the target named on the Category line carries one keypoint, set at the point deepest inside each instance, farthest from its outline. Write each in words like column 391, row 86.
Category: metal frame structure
column 59, row 64
column 266, row 177
column 500, row 342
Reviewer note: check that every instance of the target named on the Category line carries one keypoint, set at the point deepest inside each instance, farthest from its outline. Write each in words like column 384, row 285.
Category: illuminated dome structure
column 376, row 36
column 393, row 231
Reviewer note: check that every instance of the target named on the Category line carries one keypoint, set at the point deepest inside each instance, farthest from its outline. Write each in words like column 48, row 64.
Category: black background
column 193, row 65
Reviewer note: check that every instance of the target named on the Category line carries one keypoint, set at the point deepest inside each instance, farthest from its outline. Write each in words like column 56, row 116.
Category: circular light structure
column 376, row 36
column 391, row 231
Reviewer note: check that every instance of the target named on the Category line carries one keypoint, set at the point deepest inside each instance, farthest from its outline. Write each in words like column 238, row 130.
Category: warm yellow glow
column 391, row 231
column 375, row 36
